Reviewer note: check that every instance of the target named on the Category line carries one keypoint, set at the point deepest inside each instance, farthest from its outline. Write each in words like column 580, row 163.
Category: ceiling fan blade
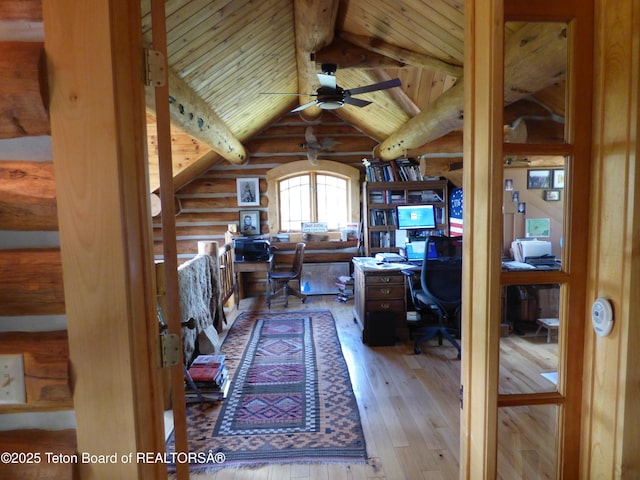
column 302, row 107
column 327, row 80
column 358, row 102
column 374, row 87
column 283, row 93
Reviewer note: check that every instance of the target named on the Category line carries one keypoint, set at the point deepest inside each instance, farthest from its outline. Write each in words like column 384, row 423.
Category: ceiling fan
column 330, row 95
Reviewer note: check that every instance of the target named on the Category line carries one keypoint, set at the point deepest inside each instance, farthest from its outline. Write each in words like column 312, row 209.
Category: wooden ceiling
column 237, row 66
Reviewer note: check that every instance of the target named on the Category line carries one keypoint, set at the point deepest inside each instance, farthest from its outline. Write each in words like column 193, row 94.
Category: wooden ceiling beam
column 535, row 57
column 348, row 55
column 397, row 94
column 315, row 22
column 189, row 112
column 402, row 55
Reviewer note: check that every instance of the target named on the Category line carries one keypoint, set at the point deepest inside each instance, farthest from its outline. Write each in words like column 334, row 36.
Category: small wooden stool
column 548, row 323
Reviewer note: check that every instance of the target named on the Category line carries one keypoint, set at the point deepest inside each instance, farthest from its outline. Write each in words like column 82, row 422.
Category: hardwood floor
column 409, row 409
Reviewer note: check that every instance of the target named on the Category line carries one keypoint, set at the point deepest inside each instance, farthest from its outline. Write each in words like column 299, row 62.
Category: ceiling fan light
column 330, row 104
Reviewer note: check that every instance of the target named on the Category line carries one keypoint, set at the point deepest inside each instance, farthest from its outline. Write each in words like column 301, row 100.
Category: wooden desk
column 378, row 290
column 249, row 266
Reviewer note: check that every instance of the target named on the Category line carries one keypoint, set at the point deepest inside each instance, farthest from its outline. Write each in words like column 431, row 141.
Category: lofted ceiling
column 237, row 66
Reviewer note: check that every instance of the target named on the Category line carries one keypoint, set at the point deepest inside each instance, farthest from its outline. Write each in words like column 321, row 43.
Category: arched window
column 300, row 192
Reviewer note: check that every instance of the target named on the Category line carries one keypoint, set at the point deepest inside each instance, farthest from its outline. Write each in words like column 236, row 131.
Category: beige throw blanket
column 199, row 299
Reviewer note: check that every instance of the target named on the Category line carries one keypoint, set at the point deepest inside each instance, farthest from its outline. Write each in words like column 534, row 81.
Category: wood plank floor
column 408, row 405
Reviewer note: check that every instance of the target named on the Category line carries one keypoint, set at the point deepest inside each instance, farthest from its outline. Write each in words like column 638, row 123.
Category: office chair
column 285, row 276
column 439, row 299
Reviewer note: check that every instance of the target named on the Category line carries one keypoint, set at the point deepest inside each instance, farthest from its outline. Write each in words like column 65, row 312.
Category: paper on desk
column 518, row 266
column 391, row 265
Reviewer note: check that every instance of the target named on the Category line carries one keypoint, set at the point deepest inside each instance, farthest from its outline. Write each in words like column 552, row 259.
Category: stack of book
column 345, row 288
column 208, row 378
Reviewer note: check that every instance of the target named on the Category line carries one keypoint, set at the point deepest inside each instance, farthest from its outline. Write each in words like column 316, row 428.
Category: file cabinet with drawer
column 380, row 302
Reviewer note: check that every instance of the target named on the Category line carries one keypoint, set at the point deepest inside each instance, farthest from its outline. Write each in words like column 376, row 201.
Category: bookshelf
column 380, row 199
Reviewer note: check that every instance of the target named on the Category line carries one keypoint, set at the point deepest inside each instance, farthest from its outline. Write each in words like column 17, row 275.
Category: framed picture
column 538, row 179
column 558, row 178
column 552, row 195
column 515, row 196
column 538, row 227
column 522, row 207
column 248, row 190
column 250, row 222
column 508, row 184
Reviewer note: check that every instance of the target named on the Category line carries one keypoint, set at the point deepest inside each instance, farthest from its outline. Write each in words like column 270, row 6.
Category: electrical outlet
column 12, row 379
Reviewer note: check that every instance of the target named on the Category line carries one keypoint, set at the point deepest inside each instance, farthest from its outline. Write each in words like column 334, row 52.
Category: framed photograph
column 248, row 190
column 538, row 227
column 538, row 179
column 515, row 196
column 508, row 184
column 522, row 207
column 250, row 222
column 552, row 195
column 558, row 178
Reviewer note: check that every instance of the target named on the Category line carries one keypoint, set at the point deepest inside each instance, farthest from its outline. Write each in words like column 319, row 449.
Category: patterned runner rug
column 290, row 400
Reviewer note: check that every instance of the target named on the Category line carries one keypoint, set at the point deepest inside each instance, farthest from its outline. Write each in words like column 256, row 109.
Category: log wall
column 32, row 307
column 208, row 204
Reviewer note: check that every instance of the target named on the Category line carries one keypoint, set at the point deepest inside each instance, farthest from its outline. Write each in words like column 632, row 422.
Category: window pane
column 527, row 442
column 533, row 210
column 535, row 95
column 295, row 205
column 332, row 201
column 530, row 330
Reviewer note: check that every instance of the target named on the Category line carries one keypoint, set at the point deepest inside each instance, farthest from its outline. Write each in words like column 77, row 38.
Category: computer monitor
column 416, row 216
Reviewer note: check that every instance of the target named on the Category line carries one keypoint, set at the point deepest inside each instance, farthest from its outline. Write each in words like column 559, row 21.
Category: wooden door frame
column 482, row 181
column 97, row 111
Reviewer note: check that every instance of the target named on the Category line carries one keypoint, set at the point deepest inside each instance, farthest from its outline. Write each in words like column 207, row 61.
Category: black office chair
column 439, row 299
column 285, row 276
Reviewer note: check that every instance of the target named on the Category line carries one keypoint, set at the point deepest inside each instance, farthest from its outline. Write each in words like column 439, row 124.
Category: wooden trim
column 482, row 183
column 611, row 410
column 522, row 399
column 171, row 289
column 273, row 175
column 98, row 131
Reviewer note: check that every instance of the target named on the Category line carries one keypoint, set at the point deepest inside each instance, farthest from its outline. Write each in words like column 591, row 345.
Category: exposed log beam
column 397, row 94
column 535, row 57
column 402, row 55
column 31, row 282
column 315, row 22
column 28, row 196
column 23, row 109
column 525, row 129
column 449, row 168
column 347, row 55
column 196, row 118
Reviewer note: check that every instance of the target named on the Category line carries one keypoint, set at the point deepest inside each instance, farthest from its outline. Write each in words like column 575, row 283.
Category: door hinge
column 461, row 394
column 169, row 349
column 155, row 68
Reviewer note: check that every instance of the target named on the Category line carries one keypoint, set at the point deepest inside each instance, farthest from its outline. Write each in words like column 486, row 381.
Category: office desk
column 245, row 266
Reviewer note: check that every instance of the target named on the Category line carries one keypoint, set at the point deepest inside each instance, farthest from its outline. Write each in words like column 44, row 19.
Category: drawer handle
column 385, row 306
column 386, row 291
column 386, row 279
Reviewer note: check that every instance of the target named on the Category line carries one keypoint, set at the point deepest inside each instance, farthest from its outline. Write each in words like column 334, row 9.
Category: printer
column 251, row 250
column 526, row 250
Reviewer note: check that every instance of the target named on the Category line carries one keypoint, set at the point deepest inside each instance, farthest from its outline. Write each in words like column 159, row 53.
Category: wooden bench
column 548, row 323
